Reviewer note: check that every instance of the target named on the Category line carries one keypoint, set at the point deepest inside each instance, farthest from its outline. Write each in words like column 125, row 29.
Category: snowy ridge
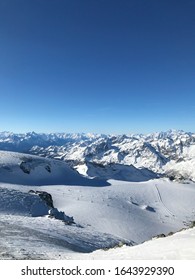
column 116, row 171
column 18, row 168
column 179, row 246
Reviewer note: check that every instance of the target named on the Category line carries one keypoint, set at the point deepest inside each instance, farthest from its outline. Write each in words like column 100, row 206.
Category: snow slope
column 18, row 168
column 116, row 171
column 133, row 211
column 180, row 246
column 107, row 213
column 105, row 217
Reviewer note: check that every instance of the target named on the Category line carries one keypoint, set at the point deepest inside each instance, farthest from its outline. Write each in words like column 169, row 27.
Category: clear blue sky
column 110, row 66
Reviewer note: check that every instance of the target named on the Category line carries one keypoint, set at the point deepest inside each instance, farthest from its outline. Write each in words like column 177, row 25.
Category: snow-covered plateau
column 86, row 196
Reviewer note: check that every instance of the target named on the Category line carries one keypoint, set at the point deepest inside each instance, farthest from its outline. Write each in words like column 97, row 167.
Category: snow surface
column 18, row 168
column 180, row 246
column 107, row 213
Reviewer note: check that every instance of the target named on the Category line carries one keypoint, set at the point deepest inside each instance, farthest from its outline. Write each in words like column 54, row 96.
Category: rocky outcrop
column 25, row 167
column 52, row 211
column 59, row 215
column 45, row 196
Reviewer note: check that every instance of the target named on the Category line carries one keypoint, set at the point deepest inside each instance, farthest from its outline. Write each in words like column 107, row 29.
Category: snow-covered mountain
column 19, row 168
column 169, row 153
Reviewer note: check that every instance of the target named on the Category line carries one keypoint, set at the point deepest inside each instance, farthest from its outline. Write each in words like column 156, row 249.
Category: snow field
column 106, row 214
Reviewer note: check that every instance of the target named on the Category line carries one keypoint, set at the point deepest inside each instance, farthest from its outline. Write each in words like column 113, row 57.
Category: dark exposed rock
column 53, row 212
column 149, row 208
column 160, row 235
column 48, row 168
column 171, row 178
column 59, row 215
column 170, row 233
column 192, row 224
column 25, row 168
column 45, row 196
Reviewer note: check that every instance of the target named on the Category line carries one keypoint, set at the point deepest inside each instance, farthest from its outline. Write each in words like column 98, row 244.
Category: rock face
column 53, row 212
column 45, row 196
column 25, row 167
column 59, row 215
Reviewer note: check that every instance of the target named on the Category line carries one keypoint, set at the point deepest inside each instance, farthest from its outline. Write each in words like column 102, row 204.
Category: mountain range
column 170, row 154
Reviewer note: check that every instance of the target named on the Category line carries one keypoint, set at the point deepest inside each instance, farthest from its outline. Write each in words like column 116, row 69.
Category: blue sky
column 104, row 66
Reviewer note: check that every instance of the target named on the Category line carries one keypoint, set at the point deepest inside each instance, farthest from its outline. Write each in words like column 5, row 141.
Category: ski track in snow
column 161, row 201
